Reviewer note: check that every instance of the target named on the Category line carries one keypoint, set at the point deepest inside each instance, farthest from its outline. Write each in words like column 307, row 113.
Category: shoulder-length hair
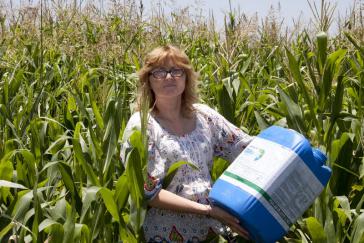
column 159, row 57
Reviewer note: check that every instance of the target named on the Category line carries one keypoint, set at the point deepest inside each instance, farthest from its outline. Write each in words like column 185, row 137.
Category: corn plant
column 67, row 85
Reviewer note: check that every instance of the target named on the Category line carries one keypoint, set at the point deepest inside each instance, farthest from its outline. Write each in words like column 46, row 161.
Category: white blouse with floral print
column 213, row 136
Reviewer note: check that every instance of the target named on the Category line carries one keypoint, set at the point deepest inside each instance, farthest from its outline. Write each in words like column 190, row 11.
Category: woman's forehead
column 166, row 62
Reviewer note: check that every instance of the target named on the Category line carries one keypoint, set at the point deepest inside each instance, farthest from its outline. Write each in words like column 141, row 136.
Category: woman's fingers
column 229, row 220
column 241, row 231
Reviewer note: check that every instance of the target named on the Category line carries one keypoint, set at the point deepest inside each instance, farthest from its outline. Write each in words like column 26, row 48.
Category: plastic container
column 272, row 183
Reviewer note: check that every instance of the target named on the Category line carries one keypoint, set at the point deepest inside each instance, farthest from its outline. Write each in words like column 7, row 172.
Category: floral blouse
column 213, row 136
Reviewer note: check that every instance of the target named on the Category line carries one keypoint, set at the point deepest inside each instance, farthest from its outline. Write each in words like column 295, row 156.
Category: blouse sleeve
column 153, row 183
column 228, row 140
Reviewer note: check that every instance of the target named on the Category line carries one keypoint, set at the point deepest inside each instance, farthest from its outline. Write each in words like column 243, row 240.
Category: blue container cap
column 319, row 156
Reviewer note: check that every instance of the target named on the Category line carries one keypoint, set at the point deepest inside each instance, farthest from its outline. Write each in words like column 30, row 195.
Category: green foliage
column 219, row 166
column 172, row 170
column 64, row 105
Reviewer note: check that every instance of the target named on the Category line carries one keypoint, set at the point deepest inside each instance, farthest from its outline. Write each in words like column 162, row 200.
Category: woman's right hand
column 229, row 220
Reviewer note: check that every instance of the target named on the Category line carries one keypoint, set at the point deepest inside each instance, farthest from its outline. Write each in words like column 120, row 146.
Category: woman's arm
column 168, row 200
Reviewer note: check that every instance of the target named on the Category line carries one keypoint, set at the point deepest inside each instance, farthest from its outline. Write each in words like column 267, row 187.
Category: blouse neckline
column 188, row 134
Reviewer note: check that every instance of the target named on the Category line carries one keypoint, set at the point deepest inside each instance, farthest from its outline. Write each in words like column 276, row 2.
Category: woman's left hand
column 229, row 220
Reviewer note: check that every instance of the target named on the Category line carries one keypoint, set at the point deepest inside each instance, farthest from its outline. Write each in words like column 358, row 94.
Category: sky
column 289, row 9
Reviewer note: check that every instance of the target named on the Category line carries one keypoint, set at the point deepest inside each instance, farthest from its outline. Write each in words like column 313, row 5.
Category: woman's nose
column 169, row 75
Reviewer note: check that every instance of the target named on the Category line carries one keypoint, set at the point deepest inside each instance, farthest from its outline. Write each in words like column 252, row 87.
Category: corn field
column 67, row 88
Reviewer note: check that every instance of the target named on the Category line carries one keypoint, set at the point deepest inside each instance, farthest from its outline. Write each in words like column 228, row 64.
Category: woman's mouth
column 169, row 85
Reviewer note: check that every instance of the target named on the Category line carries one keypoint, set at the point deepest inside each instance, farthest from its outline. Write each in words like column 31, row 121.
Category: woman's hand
column 229, row 220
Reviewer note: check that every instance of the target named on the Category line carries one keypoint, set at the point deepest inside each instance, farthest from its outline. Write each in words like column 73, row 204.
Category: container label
column 277, row 177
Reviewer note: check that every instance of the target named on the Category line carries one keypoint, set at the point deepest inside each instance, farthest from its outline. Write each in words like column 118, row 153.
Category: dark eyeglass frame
column 174, row 72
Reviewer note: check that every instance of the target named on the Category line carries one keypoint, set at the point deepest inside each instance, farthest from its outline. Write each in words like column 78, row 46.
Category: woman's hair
column 159, row 57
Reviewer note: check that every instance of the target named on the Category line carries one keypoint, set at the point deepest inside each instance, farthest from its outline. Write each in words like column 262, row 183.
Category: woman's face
column 167, row 81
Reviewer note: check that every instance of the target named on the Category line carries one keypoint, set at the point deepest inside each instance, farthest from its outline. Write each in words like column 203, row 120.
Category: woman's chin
column 169, row 94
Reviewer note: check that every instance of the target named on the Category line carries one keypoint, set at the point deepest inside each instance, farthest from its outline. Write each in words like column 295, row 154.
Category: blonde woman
column 179, row 129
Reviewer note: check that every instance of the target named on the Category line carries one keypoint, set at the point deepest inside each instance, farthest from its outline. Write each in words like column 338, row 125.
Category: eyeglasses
column 162, row 73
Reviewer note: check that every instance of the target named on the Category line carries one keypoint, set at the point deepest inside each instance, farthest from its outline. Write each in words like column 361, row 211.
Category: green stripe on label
column 249, row 183
column 262, row 192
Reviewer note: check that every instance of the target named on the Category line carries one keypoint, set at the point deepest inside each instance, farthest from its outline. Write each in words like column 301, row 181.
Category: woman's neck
column 169, row 114
column 169, row 109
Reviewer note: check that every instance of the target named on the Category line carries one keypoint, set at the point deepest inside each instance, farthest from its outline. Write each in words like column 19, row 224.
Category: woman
column 180, row 130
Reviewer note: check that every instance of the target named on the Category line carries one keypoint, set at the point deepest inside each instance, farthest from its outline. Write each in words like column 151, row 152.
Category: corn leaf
column 218, row 167
column 294, row 112
column 68, row 181
column 295, row 70
column 82, row 233
column 6, row 229
column 109, row 202
column 78, row 144
column 357, row 235
column 90, row 196
column 172, row 170
column 316, row 230
column 121, row 191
